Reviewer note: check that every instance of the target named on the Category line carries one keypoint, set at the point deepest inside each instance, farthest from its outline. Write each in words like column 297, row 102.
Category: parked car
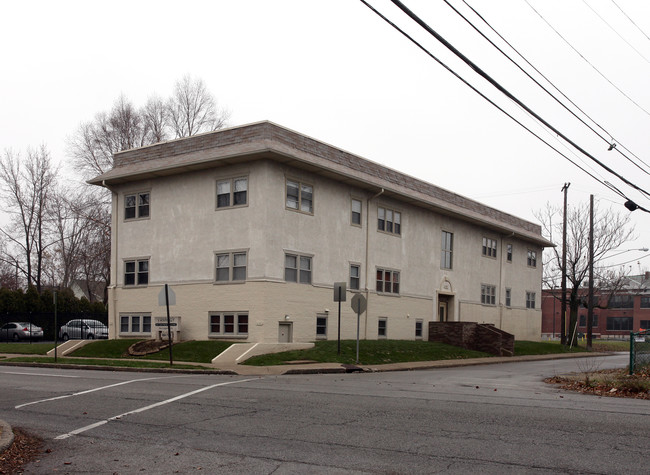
column 17, row 331
column 83, row 329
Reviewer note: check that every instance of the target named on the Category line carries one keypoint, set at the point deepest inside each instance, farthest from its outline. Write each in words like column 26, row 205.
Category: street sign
column 358, row 303
column 161, row 297
column 339, row 291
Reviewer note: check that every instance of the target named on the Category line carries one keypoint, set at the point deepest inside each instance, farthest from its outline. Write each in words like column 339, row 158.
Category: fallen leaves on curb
column 25, row 448
column 611, row 383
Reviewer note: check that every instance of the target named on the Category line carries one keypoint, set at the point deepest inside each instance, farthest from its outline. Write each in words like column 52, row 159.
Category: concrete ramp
column 240, row 352
column 68, row 347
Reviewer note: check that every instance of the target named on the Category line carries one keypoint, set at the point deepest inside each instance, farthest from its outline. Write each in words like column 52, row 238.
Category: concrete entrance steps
column 240, row 352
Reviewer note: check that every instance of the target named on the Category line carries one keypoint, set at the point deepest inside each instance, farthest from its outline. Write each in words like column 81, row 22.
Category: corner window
column 489, row 247
column 136, row 272
column 447, row 249
column 228, row 324
column 321, row 327
column 355, row 217
column 530, row 299
column 509, row 252
column 135, row 324
column 532, row 259
column 297, row 268
column 488, row 294
column 389, row 221
column 136, row 205
column 231, row 266
column 300, row 196
column 508, row 298
column 387, row 281
column 355, row 276
column 382, row 328
column 232, row 192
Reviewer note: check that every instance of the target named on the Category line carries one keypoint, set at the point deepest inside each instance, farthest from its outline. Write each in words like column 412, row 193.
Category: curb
column 6, row 436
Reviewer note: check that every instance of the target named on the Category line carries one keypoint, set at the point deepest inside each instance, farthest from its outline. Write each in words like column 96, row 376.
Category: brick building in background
column 628, row 310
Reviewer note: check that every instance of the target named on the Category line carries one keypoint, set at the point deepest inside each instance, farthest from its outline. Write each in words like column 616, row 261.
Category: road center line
column 89, row 391
column 146, row 408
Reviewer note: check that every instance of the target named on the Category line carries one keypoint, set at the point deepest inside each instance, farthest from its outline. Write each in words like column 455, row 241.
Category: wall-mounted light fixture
column 286, row 317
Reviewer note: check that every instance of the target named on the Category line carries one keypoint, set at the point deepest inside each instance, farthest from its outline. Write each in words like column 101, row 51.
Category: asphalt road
column 483, row 419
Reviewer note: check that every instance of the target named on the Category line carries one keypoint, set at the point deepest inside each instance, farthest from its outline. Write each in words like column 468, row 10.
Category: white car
column 83, row 329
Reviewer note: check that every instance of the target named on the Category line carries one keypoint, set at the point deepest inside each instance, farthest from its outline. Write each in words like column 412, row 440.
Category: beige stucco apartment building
column 251, row 226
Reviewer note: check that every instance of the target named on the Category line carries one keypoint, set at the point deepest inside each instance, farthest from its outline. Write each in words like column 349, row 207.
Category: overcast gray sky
column 335, row 71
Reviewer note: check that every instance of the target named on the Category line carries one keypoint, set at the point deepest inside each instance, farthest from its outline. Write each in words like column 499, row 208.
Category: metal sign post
column 168, row 296
column 339, row 296
column 359, row 304
column 56, row 330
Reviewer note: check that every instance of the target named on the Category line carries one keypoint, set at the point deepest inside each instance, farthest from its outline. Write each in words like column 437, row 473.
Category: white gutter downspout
column 365, row 329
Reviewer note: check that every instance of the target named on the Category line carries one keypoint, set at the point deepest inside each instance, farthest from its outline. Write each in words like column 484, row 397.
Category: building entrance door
column 284, row 333
column 442, row 311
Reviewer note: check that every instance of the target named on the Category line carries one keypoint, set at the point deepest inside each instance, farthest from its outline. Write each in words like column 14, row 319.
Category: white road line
column 90, row 391
column 41, row 374
column 146, row 408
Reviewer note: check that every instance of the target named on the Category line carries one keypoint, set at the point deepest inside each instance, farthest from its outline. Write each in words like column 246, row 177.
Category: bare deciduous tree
column 611, row 230
column 27, row 187
column 192, row 109
column 156, row 119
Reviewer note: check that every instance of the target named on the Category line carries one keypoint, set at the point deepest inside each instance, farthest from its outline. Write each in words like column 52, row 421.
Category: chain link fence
column 639, row 349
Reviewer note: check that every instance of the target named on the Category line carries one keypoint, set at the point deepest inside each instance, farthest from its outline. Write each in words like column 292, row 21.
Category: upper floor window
column 355, row 217
column 136, row 272
column 297, row 268
column 447, row 249
column 489, row 247
column 532, row 258
column 645, row 301
column 530, row 299
column 389, row 221
column 488, row 294
column 231, row 266
column 621, row 301
column 388, row 281
column 136, row 205
column 300, row 196
column 232, row 192
column 509, row 252
column 355, row 276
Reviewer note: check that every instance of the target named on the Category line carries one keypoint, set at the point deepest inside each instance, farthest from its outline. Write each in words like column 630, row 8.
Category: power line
column 586, row 60
column 631, row 21
column 613, row 140
column 616, row 32
column 507, row 93
column 604, row 183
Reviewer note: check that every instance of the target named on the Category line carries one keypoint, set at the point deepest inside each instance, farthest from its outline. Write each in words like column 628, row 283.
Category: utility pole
column 590, row 311
column 565, row 188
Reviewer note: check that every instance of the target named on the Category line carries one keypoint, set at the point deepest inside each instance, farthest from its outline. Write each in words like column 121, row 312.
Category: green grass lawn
column 370, row 352
column 26, row 348
column 194, row 351
column 102, row 362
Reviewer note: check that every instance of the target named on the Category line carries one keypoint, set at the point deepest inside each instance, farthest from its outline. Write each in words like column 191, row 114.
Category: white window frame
column 382, row 328
column 393, row 281
column 355, row 281
column 231, row 267
column 130, row 319
column 530, row 299
column 217, row 321
column 299, row 270
column 137, row 272
column 419, row 322
column 531, row 258
column 509, row 250
column 300, row 203
column 389, row 221
column 447, row 253
column 323, row 326
column 232, row 194
column 508, row 297
column 353, row 213
column 489, row 248
column 488, row 294
column 138, row 207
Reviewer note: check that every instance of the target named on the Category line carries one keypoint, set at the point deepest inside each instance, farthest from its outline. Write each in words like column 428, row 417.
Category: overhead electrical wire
column 586, row 60
column 507, row 93
column 631, row 21
column 410, row 38
column 610, row 142
column 615, row 31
